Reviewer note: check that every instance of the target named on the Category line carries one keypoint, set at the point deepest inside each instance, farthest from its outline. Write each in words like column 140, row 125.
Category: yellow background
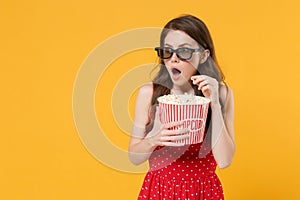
column 44, row 43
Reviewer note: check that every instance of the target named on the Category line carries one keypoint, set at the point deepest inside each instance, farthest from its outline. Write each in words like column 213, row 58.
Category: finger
column 201, row 77
column 194, row 77
column 173, row 124
column 202, row 84
column 205, row 88
column 196, row 81
column 182, row 131
column 174, row 132
column 200, row 80
column 198, row 77
column 174, row 137
column 172, row 144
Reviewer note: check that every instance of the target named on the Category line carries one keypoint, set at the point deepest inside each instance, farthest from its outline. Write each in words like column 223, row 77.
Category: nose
column 174, row 58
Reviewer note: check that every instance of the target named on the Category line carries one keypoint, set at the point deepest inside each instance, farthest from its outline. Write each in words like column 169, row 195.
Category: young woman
column 187, row 65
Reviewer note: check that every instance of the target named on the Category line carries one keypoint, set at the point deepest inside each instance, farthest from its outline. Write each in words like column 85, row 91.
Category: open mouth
column 176, row 71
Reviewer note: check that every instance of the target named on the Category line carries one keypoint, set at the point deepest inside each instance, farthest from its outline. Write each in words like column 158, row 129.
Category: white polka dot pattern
column 188, row 177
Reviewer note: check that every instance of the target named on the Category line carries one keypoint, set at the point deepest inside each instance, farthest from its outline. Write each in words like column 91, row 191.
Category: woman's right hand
column 162, row 135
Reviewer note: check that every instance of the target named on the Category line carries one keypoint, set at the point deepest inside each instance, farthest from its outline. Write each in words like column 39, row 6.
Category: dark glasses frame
column 160, row 52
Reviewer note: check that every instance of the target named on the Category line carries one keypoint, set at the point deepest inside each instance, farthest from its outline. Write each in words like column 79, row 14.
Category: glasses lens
column 181, row 53
column 184, row 53
column 160, row 52
column 166, row 53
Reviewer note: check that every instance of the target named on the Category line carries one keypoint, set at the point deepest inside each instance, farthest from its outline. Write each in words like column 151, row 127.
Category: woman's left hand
column 208, row 85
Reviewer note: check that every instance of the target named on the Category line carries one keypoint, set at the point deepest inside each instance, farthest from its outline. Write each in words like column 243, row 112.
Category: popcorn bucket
column 190, row 109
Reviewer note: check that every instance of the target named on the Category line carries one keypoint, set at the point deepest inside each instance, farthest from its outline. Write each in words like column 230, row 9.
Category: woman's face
column 181, row 70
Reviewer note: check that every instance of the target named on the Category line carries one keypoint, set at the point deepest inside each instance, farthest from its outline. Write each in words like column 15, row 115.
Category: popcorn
column 190, row 109
column 183, row 99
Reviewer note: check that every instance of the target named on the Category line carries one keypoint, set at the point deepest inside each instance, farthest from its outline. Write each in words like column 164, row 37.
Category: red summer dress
column 181, row 173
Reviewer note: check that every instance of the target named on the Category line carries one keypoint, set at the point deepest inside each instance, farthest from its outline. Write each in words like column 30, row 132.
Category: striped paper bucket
column 192, row 110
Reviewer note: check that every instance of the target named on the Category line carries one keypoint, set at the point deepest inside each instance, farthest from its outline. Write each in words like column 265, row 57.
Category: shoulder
column 145, row 94
column 146, row 90
column 142, row 105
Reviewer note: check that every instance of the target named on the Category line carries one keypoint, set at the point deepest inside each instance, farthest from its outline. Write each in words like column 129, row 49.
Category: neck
column 182, row 89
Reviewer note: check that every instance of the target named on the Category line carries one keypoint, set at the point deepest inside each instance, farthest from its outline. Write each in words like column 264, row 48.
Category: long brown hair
column 196, row 29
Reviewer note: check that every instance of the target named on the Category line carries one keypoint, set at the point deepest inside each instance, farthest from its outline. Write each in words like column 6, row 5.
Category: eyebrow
column 184, row 44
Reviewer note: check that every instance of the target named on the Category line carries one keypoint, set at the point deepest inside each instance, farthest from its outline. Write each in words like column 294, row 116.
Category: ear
column 204, row 55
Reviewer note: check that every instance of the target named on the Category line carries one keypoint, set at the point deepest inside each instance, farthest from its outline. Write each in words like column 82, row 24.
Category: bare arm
column 223, row 144
column 141, row 144
column 139, row 147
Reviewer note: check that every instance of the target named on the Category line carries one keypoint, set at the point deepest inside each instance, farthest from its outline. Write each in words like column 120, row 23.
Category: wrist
column 149, row 142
